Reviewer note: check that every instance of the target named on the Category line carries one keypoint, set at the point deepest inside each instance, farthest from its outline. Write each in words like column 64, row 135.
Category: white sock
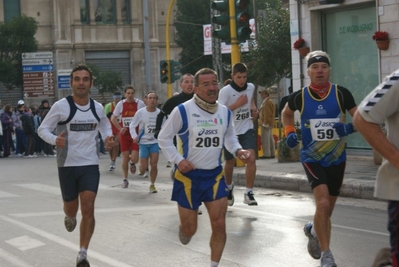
column 230, row 186
column 214, row 264
column 313, row 231
column 248, row 190
column 83, row 250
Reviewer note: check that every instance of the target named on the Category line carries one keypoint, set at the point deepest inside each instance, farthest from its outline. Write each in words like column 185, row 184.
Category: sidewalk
column 358, row 181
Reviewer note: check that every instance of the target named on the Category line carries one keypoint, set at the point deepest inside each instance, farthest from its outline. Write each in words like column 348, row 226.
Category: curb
column 295, row 182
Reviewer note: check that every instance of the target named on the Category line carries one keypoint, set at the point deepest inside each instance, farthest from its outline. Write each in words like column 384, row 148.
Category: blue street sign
column 63, row 86
column 37, row 68
column 63, row 79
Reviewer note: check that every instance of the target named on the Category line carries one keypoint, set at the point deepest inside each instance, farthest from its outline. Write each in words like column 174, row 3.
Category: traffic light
column 164, row 73
column 220, row 17
column 175, row 70
column 243, row 16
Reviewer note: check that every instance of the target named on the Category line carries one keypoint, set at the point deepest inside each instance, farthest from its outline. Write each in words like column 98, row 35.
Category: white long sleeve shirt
column 200, row 135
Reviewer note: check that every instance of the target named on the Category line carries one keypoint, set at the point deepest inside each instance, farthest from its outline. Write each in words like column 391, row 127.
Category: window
column 84, row 12
column 105, row 11
column 11, row 9
column 125, row 11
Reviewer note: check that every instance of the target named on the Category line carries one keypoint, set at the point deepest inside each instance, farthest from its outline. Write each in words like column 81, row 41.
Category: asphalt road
column 136, row 228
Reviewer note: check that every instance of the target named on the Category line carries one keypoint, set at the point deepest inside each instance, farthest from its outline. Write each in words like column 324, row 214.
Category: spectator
column 267, row 113
column 29, row 130
column 19, row 132
column 8, row 130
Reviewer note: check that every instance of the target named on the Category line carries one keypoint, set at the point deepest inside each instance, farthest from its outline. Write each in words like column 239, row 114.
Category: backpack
column 74, row 108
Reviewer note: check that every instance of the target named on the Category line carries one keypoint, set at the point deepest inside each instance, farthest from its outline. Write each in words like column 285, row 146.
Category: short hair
column 227, row 82
column 82, row 66
column 184, row 76
column 151, row 92
column 239, row 67
column 129, row 87
column 203, row 71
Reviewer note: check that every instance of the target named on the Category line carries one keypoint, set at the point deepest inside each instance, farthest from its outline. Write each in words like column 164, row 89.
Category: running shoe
column 132, row 168
column 313, row 243
column 153, row 189
column 383, row 258
column 328, row 260
column 183, row 239
column 169, row 164
column 250, row 199
column 141, row 173
column 70, row 223
column 145, row 175
column 125, row 183
column 230, row 197
column 112, row 166
column 81, row 259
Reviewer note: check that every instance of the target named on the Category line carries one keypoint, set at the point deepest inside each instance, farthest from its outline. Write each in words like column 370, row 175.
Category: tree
column 16, row 37
column 190, row 17
column 269, row 58
column 107, row 81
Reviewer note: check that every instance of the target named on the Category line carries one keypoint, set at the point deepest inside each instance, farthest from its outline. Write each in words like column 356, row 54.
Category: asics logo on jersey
column 324, row 124
column 207, row 132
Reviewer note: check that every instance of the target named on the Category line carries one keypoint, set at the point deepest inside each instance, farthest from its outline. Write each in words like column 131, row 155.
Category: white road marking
column 6, row 194
column 13, row 259
column 42, row 188
column 93, row 254
column 25, row 243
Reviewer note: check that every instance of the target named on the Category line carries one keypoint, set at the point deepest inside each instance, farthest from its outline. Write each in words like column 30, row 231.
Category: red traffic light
column 243, row 18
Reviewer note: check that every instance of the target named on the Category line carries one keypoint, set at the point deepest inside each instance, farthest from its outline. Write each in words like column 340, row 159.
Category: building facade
column 344, row 30
column 108, row 33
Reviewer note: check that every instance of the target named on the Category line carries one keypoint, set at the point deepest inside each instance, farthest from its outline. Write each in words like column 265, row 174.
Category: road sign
column 35, row 68
column 64, row 78
column 38, row 74
column 36, row 55
column 28, row 62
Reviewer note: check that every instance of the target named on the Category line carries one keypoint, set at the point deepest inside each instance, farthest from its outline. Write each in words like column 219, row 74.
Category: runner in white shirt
column 146, row 118
column 202, row 127
column 77, row 120
column 238, row 97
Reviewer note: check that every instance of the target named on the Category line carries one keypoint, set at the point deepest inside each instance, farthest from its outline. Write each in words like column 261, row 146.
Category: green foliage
column 269, row 59
column 107, row 81
column 16, row 37
column 190, row 17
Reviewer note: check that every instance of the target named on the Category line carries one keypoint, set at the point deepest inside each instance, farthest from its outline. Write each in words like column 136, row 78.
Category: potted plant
column 382, row 39
column 300, row 45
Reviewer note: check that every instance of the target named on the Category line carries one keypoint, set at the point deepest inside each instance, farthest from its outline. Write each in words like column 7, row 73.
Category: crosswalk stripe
column 42, row 187
column 6, row 194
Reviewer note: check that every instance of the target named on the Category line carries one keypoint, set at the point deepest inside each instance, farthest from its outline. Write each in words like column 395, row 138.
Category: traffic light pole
column 169, row 83
column 235, row 44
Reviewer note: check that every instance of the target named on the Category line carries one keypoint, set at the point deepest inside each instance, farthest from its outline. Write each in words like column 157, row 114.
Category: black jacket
column 27, row 124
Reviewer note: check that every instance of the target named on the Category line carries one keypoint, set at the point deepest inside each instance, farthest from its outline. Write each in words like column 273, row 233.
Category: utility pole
column 147, row 57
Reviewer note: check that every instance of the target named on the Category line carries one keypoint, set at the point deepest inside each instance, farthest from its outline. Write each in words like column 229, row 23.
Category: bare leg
column 87, row 224
column 324, row 209
column 217, row 213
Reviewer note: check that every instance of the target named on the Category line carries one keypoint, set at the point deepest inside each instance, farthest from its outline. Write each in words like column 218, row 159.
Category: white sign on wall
column 226, row 49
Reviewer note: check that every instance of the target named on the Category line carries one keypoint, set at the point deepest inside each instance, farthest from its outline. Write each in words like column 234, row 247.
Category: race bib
column 242, row 114
column 126, row 121
column 322, row 129
column 207, row 137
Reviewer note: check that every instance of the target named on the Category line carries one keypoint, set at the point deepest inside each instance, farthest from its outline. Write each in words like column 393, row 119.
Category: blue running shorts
column 194, row 187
